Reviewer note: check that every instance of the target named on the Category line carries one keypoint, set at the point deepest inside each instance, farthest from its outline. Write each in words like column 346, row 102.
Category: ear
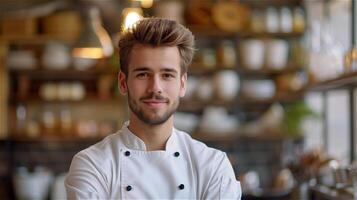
column 123, row 88
column 183, row 84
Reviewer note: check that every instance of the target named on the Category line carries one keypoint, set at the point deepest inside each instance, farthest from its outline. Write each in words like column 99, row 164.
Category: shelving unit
column 210, row 37
column 263, row 153
column 54, row 151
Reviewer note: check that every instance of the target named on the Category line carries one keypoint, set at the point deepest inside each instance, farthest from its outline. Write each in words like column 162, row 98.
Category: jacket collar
column 133, row 142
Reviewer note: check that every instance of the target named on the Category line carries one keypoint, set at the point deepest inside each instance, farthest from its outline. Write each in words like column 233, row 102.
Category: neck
column 154, row 136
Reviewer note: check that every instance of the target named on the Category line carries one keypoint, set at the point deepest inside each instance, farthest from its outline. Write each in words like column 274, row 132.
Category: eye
column 142, row 75
column 168, row 76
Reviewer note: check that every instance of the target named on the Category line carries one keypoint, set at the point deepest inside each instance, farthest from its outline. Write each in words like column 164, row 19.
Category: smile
column 155, row 103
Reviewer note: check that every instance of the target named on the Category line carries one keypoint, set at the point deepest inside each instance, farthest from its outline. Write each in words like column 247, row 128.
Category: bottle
column 286, row 20
column 66, row 120
column 49, row 121
column 21, row 115
column 272, row 20
column 226, row 54
column 298, row 20
column 257, row 21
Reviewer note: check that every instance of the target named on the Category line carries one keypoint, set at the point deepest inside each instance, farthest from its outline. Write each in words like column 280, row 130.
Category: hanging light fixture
column 94, row 42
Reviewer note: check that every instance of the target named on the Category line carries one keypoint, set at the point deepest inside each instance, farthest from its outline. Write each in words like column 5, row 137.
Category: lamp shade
column 94, row 41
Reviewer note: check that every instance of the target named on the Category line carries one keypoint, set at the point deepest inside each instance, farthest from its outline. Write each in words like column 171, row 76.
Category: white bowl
column 32, row 185
column 226, row 84
column 205, row 89
column 215, row 120
column 185, row 122
column 258, row 89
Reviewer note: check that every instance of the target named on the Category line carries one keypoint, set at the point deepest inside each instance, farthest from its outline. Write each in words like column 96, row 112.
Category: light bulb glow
column 132, row 15
column 94, row 53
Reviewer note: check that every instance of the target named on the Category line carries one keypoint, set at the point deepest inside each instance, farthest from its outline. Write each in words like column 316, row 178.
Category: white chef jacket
column 119, row 167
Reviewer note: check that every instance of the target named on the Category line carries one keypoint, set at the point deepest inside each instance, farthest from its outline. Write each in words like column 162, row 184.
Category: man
column 148, row 158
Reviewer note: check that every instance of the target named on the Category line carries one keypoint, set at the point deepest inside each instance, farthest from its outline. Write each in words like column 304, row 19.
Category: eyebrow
column 141, row 69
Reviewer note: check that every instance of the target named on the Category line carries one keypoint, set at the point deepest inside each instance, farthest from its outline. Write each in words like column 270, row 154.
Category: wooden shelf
column 68, row 74
column 211, row 31
column 187, row 105
column 283, row 97
column 89, row 98
column 266, row 3
column 38, row 39
column 344, row 81
column 198, row 69
column 204, row 31
column 265, row 71
column 271, row 35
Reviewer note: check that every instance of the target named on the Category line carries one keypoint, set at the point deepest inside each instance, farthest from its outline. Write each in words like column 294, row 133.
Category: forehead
column 154, row 58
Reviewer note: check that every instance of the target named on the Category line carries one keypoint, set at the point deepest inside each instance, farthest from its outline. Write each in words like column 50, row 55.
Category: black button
column 181, row 186
column 128, row 188
column 176, row 154
column 127, row 153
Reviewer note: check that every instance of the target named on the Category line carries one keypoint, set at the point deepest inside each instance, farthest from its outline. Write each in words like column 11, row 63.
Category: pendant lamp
column 95, row 41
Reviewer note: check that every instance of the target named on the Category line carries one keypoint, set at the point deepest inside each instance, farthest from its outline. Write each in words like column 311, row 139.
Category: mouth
column 155, row 103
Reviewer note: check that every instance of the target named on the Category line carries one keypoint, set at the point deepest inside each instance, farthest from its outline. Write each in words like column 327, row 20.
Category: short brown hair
column 157, row 32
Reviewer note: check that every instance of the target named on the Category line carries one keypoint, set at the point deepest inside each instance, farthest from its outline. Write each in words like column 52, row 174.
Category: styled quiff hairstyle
column 157, row 32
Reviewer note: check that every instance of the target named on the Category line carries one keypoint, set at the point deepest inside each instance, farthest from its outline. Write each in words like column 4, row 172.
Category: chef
column 148, row 158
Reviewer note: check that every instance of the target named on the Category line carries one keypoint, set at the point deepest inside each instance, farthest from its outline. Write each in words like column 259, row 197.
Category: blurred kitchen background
column 272, row 84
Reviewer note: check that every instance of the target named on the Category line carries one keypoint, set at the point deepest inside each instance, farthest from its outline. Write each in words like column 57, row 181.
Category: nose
column 155, row 85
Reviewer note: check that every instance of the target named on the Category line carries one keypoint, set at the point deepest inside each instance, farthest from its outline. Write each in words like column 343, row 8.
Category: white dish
column 258, row 89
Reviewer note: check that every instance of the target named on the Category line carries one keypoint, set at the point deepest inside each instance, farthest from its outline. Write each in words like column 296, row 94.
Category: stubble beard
column 147, row 117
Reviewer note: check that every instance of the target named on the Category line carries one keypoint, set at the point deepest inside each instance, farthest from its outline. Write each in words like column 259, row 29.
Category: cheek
column 136, row 89
column 174, row 90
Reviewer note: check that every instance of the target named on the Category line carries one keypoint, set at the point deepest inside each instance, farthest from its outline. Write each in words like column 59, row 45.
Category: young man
column 148, row 158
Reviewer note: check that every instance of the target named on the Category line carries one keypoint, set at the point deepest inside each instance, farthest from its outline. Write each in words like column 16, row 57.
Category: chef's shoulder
column 103, row 151
column 88, row 174
column 199, row 152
